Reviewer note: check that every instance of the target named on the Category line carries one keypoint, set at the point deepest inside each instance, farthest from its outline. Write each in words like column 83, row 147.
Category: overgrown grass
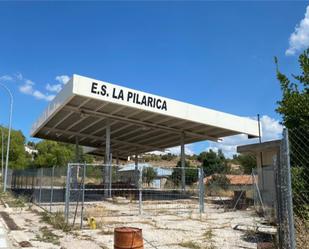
column 48, row 236
column 56, row 220
column 106, row 232
column 13, row 201
column 190, row 244
column 207, row 244
column 301, row 229
column 208, row 235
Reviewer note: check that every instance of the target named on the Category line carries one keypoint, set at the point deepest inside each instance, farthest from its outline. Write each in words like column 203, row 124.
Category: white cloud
column 157, row 152
column 176, row 150
column 28, row 88
column 54, row 88
column 271, row 129
column 39, row 95
column 13, row 77
column 299, row 39
column 29, row 82
column 63, row 79
column 6, row 78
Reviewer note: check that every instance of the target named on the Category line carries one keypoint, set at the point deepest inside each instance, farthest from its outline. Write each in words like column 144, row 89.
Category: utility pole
column 9, row 137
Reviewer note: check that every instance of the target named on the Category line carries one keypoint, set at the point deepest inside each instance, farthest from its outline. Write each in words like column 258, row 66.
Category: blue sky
column 215, row 54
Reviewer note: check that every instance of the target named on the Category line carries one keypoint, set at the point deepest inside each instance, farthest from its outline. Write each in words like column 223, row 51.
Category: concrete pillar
column 77, row 154
column 75, row 168
column 117, row 159
column 183, row 163
column 107, row 162
column 136, row 173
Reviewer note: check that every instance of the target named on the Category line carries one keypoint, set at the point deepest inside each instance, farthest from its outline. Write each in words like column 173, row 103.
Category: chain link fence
column 94, row 190
column 299, row 161
column 230, row 191
column 278, row 191
column 281, row 190
column 264, row 191
column 42, row 186
column 109, row 190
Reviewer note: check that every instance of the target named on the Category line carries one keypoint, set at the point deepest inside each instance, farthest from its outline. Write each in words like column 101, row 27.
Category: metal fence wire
column 299, row 163
column 96, row 190
column 44, row 186
column 111, row 190
column 264, row 191
column 279, row 191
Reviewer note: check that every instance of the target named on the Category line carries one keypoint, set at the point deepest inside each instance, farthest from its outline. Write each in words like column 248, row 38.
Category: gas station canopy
column 139, row 122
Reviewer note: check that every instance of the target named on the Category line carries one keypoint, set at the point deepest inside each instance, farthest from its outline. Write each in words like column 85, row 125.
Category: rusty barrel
column 128, row 238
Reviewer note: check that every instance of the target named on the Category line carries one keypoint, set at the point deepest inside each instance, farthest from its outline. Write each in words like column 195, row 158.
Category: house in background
column 267, row 158
column 127, row 174
column 32, row 152
column 239, row 184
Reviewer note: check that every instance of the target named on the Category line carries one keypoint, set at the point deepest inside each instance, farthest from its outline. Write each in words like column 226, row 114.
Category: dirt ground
column 164, row 229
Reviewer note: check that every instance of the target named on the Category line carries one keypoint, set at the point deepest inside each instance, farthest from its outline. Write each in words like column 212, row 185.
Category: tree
column 168, row 157
column 294, row 105
column 217, row 182
column 191, row 174
column 51, row 153
column 213, row 162
column 294, row 109
column 202, row 156
column 18, row 157
column 247, row 162
column 149, row 174
column 31, row 144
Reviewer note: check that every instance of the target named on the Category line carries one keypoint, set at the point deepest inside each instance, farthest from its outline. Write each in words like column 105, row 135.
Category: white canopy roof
column 140, row 122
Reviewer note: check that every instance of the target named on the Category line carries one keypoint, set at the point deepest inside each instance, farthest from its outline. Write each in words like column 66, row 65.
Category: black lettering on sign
column 164, row 106
column 144, row 101
column 150, row 101
column 136, row 98
column 120, row 95
column 159, row 103
column 94, row 87
column 103, row 90
column 114, row 94
column 117, row 95
column 130, row 95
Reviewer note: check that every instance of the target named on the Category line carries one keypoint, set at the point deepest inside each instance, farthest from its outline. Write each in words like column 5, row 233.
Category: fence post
column 140, row 191
column 67, row 193
column 40, row 193
column 52, row 188
column 201, row 190
column 26, row 175
column 287, row 198
column 83, row 197
column 110, row 175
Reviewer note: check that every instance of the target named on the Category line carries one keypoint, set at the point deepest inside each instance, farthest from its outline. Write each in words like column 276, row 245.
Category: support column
column 136, row 174
column 75, row 168
column 201, row 189
column 110, row 174
column 117, row 159
column 183, row 163
column 107, row 158
column 77, row 156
